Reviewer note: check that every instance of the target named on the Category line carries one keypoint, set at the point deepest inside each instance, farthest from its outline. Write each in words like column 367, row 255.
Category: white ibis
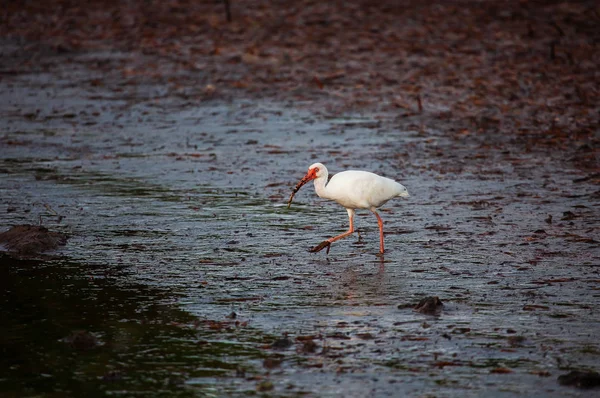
column 352, row 189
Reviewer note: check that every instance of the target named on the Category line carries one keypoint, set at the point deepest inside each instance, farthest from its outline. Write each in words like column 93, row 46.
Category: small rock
column 281, row 344
column 113, row 375
column 209, row 89
column 309, row 346
column 81, row 340
column 515, row 341
column 501, row 370
column 339, row 335
column 265, row 386
column 271, row 363
column 429, row 305
column 365, row 336
column 461, row 330
column 568, row 215
column 580, row 379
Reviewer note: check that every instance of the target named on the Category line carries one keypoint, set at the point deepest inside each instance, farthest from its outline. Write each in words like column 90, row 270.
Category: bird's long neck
column 320, row 186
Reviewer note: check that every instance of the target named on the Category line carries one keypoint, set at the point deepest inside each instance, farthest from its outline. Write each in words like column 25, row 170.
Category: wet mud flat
column 191, row 202
column 185, row 274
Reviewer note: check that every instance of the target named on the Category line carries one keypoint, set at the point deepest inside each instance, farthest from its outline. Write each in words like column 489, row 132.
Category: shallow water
column 177, row 217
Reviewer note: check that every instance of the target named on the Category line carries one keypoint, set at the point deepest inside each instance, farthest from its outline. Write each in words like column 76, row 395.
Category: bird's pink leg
column 328, row 242
column 380, row 223
column 349, row 231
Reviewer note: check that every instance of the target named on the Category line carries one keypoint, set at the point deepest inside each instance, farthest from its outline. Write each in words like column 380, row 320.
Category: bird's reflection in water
column 369, row 282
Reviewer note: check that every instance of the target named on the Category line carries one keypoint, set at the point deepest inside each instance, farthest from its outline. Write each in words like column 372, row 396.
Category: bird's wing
column 362, row 189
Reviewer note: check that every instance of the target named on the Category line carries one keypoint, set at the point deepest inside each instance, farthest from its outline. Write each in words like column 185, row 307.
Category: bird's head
column 315, row 170
column 404, row 193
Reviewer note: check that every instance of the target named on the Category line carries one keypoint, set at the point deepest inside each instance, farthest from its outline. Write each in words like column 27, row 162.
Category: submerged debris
column 31, row 239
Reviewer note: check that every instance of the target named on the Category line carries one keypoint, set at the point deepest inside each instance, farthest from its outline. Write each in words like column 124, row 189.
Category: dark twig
column 553, row 50
column 530, row 31
column 558, row 28
column 227, row 10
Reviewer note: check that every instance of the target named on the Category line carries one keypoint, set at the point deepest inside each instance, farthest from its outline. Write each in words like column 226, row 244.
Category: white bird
column 353, row 189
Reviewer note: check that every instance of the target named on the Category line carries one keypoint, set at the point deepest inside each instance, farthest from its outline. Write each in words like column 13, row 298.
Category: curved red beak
column 311, row 175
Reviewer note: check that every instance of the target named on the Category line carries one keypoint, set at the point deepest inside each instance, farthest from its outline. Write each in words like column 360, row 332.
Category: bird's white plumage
column 355, row 189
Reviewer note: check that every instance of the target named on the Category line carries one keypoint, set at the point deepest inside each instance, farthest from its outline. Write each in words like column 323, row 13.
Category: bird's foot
column 359, row 240
column 321, row 246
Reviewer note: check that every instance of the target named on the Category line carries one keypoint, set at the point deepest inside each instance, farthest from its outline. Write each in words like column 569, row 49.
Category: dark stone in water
column 31, row 239
column 580, row 379
column 281, row 344
column 429, row 305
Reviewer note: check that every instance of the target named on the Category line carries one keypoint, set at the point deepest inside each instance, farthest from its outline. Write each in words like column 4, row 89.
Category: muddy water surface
column 193, row 278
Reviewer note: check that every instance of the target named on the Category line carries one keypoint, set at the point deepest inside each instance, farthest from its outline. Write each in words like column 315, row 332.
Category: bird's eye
column 316, row 169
